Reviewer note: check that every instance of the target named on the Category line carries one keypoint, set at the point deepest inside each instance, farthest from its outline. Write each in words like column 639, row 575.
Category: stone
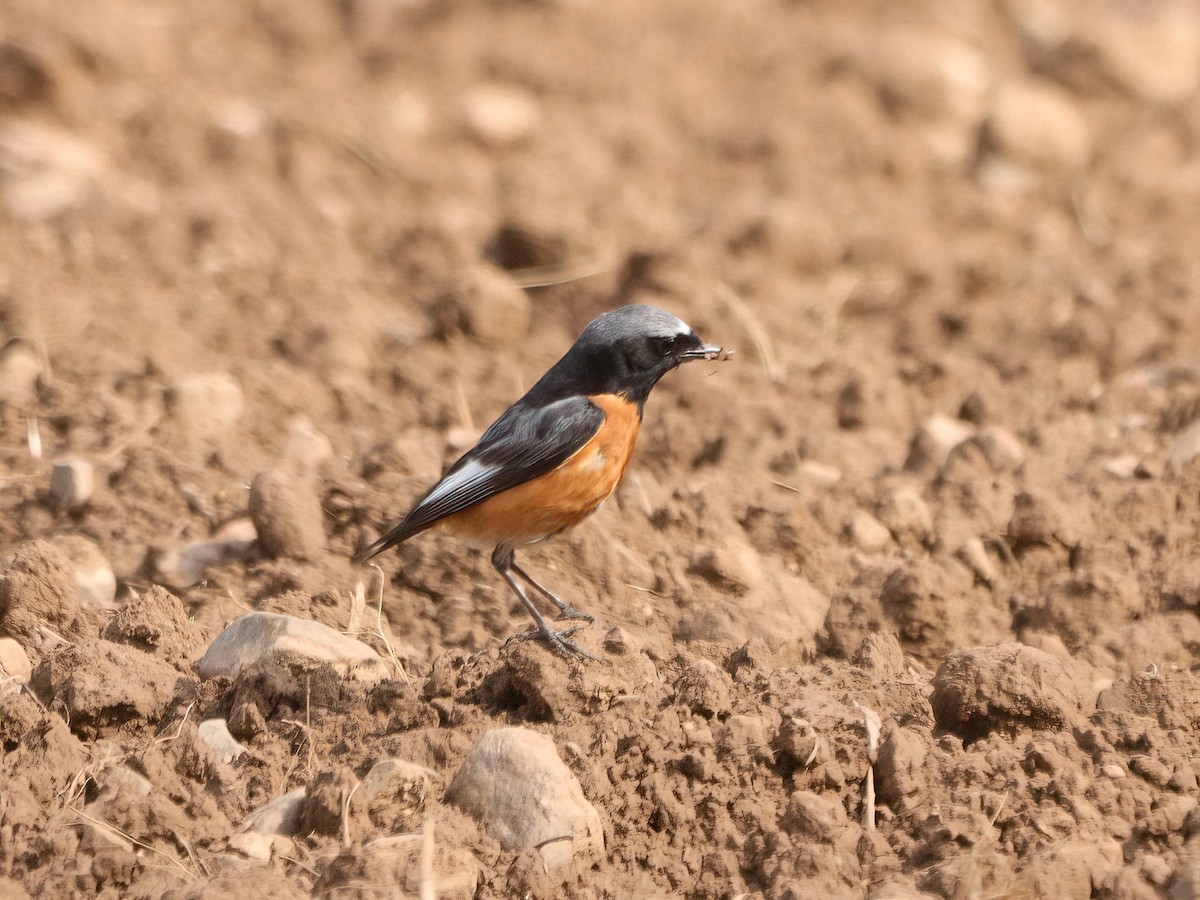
column 20, row 369
column 253, row 844
column 305, row 448
column 215, row 734
column 1112, row 770
column 1185, row 447
column 975, row 555
column 45, row 171
column 123, row 781
column 867, row 532
column 302, row 643
column 1040, row 125
column 232, row 542
column 704, row 689
column 933, row 441
column 1006, row 688
column 1002, row 449
column 732, row 565
column 496, row 310
column 280, row 816
column 287, row 515
column 499, row 116
column 72, row 482
column 14, row 661
column 395, row 792
column 95, row 583
column 907, row 515
column 819, row 474
column 206, row 404
column 900, row 775
column 516, row 786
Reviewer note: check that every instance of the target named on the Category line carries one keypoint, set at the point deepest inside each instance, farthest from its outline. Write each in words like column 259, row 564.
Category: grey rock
column 287, row 514
column 215, row 733
column 72, row 482
column 280, row 816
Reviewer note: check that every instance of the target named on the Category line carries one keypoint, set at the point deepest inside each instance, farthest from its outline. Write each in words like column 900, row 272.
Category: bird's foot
column 559, row 641
column 567, row 611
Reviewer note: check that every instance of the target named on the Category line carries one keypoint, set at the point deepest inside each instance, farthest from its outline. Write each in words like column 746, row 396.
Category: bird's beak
column 704, row 351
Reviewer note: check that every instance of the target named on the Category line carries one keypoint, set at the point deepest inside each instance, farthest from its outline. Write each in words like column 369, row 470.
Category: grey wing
column 521, row 445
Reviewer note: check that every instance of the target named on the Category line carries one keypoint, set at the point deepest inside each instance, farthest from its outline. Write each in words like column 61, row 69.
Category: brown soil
column 911, row 220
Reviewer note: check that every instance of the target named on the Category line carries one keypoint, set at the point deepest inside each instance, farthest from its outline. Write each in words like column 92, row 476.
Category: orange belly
column 563, row 496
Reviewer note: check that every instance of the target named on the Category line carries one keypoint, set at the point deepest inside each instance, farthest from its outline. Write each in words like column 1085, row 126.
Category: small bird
column 555, row 456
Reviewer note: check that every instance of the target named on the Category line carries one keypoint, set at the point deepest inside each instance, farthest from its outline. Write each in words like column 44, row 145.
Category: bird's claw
column 558, row 641
column 569, row 612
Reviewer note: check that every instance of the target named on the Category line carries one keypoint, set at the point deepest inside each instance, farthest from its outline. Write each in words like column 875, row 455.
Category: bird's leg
column 502, row 559
column 565, row 609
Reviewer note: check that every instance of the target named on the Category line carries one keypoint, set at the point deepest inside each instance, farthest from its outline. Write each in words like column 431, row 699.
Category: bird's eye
column 664, row 345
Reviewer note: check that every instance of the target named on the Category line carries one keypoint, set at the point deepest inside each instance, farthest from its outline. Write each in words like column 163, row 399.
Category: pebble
column 975, row 555
column 900, row 771
column 287, row 515
column 14, row 661
column 619, row 641
column 704, row 689
column 94, row 579
column 305, row 448
column 500, row 116
column 1112, row 770
column 516, row 786
column 933, row 441
column 46, row 171
column 978, row 690
column 20, row 369
column 496, row 310
column 123, row 780
column 867, row 532
column 253, row 844
column 819, row 474
column 1040, row 125
column 215, row 733
column 1003, row 449
column 72, row 482
column 261, row 637
column 1185, row 447
column 206, row 404
column 395, row 791
column 280, row 816
column 906, row 514
column 232, row 542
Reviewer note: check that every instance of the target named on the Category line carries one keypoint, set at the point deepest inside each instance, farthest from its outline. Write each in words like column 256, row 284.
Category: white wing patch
column 473, row 472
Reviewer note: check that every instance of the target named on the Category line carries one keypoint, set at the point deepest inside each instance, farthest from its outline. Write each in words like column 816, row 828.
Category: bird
column 556, row 455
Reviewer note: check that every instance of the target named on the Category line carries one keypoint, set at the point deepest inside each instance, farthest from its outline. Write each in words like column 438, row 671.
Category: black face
column 625, row 351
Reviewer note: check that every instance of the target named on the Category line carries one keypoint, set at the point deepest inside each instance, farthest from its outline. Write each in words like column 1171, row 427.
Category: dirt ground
column 951, row 479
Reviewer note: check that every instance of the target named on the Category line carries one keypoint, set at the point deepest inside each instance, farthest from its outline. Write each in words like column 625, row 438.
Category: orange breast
column 563, row 496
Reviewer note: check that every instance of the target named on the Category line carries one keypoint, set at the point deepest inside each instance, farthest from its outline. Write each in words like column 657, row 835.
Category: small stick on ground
column 428, row 880
column 379, row 628
column 347, row 796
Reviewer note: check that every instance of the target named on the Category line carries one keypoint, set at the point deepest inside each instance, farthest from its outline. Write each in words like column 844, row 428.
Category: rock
column 45, row 171
column 232, row 542
column 933, row 441
column 907, row 515
column 20, row 369
column 733, row 565
column 619, row 641
column 101, row 684
column 206, row 405
column 123, row 781
column 515, row 785
column 1112, row 770
column 1185, row 447
column 1003, row 449
column 499, row 116
column 280, row 816
column 95, row 583
column 867, row 532
column 215, row 733
column 975, row 555
column 287, row 515
column 36, row 589
column 156, row 622
column 395, row 792
column 72, row 482
column 496, row 310
column 1040, row 125
column 1126, row 466
column 305, row 448
column 293, row 642
column 1150, row 769
column 253, row 844
column 1005, row 688
column 14, row 661
column 704, row 689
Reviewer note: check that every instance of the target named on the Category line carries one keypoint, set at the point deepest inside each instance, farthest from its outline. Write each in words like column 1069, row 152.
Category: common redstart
column 555, row 456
